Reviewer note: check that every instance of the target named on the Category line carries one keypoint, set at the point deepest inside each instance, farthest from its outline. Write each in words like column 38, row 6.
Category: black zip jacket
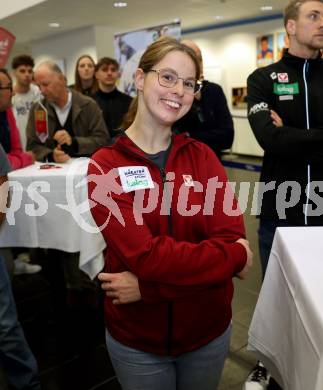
column 209, row 120
column 114, row 106
column 293, row 87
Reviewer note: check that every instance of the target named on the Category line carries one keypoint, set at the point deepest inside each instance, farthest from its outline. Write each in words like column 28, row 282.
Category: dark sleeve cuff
column 49, row 157
column 71, row 150
column 75, row 145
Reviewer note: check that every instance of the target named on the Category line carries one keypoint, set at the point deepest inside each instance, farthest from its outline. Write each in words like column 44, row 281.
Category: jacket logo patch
column 258, row 107
column 135, row 178
column 286, row 89
column 188, row 181
column 286, row 97
column 273, row 75
column 283, row 77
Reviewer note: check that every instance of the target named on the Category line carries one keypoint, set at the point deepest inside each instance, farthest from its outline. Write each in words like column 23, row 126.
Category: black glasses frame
column 7, row 87
column 198, row 84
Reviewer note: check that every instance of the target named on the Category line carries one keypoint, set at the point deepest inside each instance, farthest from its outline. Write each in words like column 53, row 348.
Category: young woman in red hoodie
column 175, row 239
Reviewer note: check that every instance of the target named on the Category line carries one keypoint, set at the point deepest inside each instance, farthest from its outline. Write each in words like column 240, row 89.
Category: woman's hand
column 277, row 121
column 122, row 287
column 243, row 273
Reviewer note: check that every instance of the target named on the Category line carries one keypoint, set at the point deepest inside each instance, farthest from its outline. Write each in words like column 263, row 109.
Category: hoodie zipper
column 170, row 310
column 170, row 304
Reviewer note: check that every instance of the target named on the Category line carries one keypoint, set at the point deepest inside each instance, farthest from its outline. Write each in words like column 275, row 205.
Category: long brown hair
column 154, row 54
column 78, row 82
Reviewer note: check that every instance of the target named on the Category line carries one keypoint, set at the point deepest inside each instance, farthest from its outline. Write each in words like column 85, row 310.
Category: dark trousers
column 16, row 357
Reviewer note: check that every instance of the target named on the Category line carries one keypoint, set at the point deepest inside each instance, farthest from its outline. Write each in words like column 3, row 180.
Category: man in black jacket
column 113, row 103
column 285, row 113
column 209, row 120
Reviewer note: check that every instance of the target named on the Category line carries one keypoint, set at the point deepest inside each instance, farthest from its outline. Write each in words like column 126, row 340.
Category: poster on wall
column 282, row 44
column 265, row 50
column 130, row 46
column 60, row 62
column 239, row 97
column 6, row 42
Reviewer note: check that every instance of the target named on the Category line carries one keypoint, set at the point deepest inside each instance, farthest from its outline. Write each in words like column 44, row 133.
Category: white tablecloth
column 49, row 209
column 287, row 327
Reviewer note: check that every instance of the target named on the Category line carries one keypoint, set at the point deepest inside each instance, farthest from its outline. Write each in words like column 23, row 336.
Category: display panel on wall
column 60, row 62
column 239, row 97
column 265, row 50
column 130, row 46
column 281, row 44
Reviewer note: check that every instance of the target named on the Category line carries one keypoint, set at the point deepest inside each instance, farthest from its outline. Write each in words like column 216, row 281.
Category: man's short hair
column 23, row 59
column 292, row 9
column 264, row 38
column 106, row 61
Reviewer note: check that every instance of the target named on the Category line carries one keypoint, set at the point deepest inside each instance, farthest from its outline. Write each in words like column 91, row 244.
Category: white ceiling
column 32, row 24
column 11, row 7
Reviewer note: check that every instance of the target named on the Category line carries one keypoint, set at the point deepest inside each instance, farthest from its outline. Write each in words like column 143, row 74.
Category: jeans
column 16, row 358
column 197, row 370
column 266, row 233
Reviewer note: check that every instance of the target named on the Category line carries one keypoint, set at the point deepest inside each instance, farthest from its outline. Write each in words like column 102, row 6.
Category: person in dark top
column 114, row 104
column 209, row 120
column 286, row 117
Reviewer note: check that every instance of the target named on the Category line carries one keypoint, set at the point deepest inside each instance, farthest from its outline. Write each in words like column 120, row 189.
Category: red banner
column 6, row 42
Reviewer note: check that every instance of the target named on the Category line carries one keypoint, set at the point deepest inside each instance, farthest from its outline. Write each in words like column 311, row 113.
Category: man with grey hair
column 286, row 116
column 65, row 123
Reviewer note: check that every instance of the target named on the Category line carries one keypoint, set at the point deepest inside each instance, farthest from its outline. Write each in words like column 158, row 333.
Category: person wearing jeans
column 168, row 270
column 285, row 114
column 184, row 372
column 16, row 358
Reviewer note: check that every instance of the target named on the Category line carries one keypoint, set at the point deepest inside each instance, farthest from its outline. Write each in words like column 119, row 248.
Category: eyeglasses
column 9, row 87
column 169, row 78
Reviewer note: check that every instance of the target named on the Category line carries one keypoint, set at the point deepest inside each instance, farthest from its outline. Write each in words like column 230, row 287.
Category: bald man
column 196, row 50
column 75, row 123
column 209, row 119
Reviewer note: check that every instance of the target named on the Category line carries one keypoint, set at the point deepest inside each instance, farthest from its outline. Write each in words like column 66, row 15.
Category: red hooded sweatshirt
column 176, row 238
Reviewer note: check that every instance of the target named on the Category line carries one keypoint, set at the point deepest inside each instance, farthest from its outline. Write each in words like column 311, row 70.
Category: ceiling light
column 266, row 8
column 54, row 25
column 120, row 4
column 218, row 17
